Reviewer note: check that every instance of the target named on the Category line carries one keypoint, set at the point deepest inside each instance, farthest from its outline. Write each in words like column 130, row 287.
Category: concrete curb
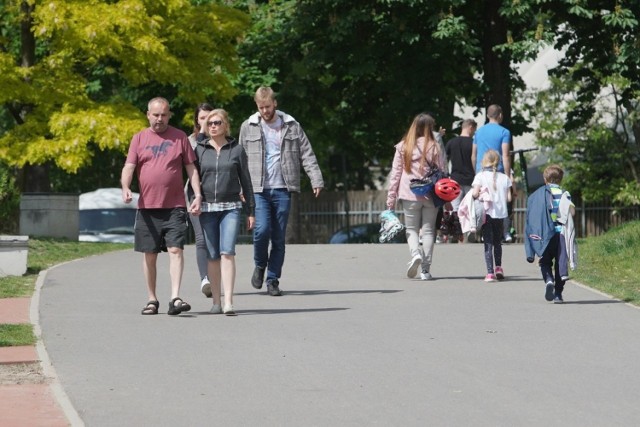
column 47, row 367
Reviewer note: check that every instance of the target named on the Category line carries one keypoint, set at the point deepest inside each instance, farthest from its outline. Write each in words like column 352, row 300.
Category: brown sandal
column 151, row 308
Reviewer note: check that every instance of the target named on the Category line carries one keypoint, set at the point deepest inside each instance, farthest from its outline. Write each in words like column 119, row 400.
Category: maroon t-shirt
column 159, row 159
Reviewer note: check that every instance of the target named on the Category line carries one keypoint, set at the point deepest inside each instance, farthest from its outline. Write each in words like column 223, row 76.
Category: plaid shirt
column 219, row 207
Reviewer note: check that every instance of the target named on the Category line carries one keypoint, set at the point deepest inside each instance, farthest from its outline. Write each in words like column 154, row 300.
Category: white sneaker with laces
column 425, row 276
column 412, row 271
column 216, row 309
column 205, row 287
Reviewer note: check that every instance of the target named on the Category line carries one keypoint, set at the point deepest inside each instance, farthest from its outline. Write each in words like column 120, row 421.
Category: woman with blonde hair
column 417, row 156
column 224, row 174
column 495, row 188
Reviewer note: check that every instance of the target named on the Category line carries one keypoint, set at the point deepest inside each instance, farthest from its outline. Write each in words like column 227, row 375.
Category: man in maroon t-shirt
column 158, row 154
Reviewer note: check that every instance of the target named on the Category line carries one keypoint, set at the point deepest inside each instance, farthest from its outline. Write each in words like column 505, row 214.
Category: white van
column 104, row 217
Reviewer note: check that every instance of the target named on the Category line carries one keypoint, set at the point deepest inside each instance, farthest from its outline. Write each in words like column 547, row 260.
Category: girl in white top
column 494, row 189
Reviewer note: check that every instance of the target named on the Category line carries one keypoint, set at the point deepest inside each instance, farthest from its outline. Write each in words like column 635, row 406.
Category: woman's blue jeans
column 220, row 231
column 272, row 214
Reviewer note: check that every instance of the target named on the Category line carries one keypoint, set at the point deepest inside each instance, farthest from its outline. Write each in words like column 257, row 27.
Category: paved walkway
column 351, row 343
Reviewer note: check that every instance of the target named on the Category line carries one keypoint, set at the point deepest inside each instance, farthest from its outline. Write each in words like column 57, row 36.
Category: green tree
column 591, row 113
column 486, row 33
column 597, row 140
column 75, row 74
column 355, row 73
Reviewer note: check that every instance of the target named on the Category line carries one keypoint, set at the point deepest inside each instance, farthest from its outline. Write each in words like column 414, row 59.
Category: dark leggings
column 492, row 236
column 553, row 272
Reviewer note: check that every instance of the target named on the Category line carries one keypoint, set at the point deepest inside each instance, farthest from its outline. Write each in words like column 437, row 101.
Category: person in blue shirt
column 494, row 136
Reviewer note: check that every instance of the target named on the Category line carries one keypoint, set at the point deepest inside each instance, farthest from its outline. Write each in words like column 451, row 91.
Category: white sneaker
column 425, row 276
column 216, row 309
column 412, row 271
column 229, row 310
column 205, row 287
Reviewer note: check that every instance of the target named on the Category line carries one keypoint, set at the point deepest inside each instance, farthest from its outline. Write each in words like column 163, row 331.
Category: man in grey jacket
column 277, row 148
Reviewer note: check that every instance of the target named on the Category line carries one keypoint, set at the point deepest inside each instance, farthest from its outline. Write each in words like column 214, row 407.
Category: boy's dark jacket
column 539, row 228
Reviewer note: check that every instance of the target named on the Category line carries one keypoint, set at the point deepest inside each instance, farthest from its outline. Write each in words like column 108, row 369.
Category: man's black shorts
column 159, row 229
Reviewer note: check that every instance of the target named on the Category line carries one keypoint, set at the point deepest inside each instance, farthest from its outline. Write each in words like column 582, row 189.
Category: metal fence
column 314, row 220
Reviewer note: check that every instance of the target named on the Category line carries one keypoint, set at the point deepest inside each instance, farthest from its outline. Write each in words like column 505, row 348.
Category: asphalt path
column 352, row 342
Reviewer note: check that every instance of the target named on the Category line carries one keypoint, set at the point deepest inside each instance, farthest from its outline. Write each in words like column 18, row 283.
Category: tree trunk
column 34, row 179
column 27, row 39
column 31, row 178
column 496, row 65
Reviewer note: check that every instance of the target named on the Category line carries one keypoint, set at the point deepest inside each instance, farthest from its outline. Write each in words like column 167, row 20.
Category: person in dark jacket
column 458, row 152
column 226, row 182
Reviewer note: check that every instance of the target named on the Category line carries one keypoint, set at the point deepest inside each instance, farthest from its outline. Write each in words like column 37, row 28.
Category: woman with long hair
column 417, row 156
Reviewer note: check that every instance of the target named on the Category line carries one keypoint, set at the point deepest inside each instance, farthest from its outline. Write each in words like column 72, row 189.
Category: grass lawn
column 43, row 253
column 13, row 335
column 609, row 262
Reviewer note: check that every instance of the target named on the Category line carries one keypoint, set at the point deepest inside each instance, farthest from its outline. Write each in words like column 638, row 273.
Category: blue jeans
column 220, row 231
column 272, row 214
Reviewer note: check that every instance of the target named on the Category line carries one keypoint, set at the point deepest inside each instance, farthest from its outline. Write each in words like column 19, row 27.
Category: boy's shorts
column 159, row 229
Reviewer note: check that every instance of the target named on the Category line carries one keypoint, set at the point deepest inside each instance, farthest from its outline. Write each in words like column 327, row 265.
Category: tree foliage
column 72, row 71
column 591, row 113
column 75, row 77
column 355, row 74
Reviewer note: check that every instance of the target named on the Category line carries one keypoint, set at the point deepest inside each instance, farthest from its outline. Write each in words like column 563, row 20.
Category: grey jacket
column 296, row 153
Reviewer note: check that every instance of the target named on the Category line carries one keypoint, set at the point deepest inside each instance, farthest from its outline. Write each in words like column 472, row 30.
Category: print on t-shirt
column 160, row 150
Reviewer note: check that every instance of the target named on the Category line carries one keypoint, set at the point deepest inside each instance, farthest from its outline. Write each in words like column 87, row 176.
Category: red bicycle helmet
column 447, row 189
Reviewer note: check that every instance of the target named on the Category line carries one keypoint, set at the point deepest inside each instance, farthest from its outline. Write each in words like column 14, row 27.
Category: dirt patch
column 22, row 373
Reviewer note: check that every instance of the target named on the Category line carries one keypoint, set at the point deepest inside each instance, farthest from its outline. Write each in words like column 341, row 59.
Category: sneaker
column 565, row 278
column 508, row 238
column 425, row 276
column 549, row 291
column 216, row 309
column 205, row 287
column 499, row 273
column 229, row 310
column 558, row 299
column 273, row 288
column 412, row 271
column 490, row 278
column 258, row 277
